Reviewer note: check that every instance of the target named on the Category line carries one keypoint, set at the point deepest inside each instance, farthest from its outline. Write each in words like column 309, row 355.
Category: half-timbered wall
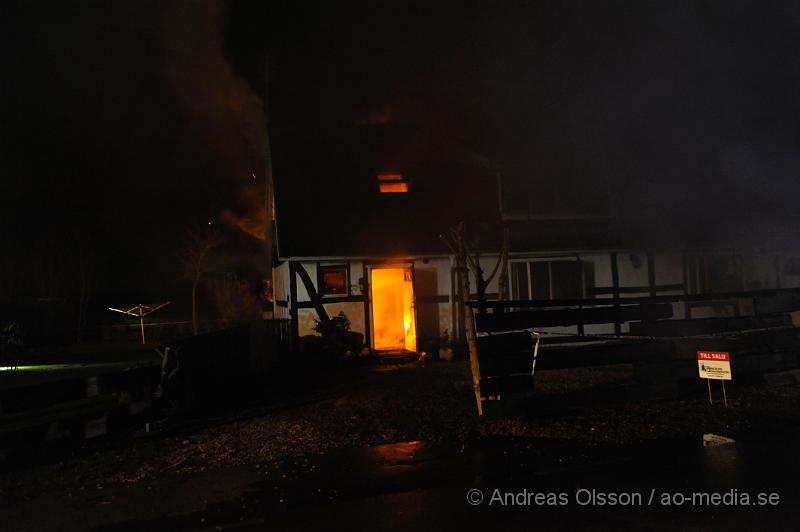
column 432, row 286
column 610, row 274
column 280, row 283
column 351, row 304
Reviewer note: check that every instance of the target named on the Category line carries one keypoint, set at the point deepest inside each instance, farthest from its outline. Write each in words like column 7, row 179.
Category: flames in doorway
column 394, row 326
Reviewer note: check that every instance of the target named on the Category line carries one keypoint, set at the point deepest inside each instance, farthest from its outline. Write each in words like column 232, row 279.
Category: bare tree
column 473, row 260
column 197, row 249
column 236, row 299
column 456, row 241
column 502, row 280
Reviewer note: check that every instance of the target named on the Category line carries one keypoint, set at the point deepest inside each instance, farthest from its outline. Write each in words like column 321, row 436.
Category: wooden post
column 651, row 273
column 293, row 312
column 141, row 321
column 724, row 395
column 687, row 308
column 582, row 272
column 366, row 292
column 472, row 344
column 464, row 262
column 615, row 288
column 502, row 280
column 469, row 322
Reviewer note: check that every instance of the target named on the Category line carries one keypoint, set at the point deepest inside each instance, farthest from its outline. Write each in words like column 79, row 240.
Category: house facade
column 411, row 302
column 367, row 243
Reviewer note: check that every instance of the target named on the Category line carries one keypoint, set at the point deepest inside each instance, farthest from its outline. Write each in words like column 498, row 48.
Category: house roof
column 328, row 202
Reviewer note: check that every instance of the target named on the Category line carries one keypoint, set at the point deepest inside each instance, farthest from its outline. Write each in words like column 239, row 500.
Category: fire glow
column 394, row 326
column 392, row 183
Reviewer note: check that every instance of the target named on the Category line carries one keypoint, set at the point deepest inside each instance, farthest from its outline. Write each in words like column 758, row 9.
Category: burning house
column 363, row 238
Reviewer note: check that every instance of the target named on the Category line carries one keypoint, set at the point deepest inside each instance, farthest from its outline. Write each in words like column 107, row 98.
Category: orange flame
column 393, row 309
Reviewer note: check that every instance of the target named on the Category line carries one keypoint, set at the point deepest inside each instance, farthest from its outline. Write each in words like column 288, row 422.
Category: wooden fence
column 216, row 367
column 506, row 341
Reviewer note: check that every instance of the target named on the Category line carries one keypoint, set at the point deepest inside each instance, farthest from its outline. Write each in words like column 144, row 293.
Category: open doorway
column 393, row 322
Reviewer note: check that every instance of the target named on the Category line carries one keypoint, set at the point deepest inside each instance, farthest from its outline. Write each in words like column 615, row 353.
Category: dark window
column 556, row 279
column 710, row 274
column 333, row 280
column 519, row 280
column 540, row 280
column 565, row 276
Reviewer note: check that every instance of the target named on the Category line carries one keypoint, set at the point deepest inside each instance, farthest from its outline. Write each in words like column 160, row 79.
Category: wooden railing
column 506, row 342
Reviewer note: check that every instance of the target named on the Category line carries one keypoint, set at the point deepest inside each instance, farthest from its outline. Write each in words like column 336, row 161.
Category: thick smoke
column 226, row 131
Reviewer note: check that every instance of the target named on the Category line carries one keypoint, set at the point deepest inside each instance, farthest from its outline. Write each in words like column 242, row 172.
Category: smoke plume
column 226, row 132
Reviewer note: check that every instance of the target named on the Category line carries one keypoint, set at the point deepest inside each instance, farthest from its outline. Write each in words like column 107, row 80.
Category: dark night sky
column 127, row 121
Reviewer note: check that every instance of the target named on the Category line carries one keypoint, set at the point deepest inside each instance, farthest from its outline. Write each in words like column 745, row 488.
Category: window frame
column 550, row 284
column 393, row 183
column 333, row 267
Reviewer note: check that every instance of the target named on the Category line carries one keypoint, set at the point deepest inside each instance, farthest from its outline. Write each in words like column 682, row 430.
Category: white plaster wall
column 598, row 328
column 668, row 268
column 759, row 271
column 280, row 290
column 446, row 324
column 628, row 274
column 356, row 273
column 678, row 310
column 601, row 264
column 305, row 321
column 570, row 330
column 311, row 268
column 440, row 267
column 354, row 312
column 487, row 264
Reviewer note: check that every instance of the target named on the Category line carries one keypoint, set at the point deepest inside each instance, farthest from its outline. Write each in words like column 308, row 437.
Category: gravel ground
column 379, row 404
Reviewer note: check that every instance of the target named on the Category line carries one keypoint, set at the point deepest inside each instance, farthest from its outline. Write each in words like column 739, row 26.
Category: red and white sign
column 714, row 365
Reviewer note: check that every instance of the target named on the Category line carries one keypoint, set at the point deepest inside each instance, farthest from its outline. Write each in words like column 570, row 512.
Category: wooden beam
column 365, row 292
column 582, row 268
column 719, row 296
column 528, row 319
column 615, row 286
column 687, row 310
column 312, row 293
column 293, row 303
column 329, row 300
column 433, row 299
column 605, row 290
column 651, row 273
column 695, row 327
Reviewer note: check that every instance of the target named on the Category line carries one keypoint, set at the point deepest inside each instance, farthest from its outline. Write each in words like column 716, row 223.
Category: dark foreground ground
column 399, row 447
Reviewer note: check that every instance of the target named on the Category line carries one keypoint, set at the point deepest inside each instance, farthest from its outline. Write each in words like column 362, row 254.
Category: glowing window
column 333, row 280
column 392, row 183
